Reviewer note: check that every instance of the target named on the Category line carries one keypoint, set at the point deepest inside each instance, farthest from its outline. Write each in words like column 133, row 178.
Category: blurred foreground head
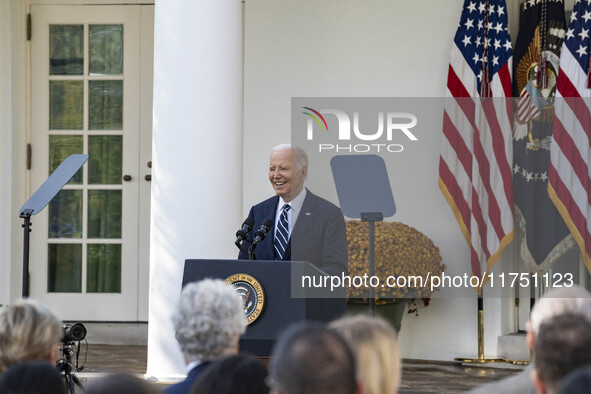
column 575, row 300
column 310, row 358
column 562, row 345
column 32, row 377
column 375, row 346
column 28, row 331
column 239, row 373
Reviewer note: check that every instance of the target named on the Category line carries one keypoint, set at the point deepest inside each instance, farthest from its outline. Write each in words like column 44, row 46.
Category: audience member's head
column 310, row 358
column 234, row 374
column 120, row 383
column 562, row 345
column 209, row 320
column 374, row 344
column 575, row 300
column 32, row 377
column 28, row 331
column 576, row 382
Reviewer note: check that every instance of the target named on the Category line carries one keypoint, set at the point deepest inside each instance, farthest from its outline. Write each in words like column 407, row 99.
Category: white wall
column 19, row 176
column 340, row 48
column 5, row 149
column 13, row 120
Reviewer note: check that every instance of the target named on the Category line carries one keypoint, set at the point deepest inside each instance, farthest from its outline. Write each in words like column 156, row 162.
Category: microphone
column 259, row 235
column 242, row 233
column 262, row 231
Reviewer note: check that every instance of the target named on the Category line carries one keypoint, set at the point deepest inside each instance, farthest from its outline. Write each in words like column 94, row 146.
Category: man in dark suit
column 305, row 226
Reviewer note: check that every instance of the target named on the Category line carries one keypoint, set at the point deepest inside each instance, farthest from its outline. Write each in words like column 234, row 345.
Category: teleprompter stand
column 364, row 192
column 372, row 218
column 39, row 200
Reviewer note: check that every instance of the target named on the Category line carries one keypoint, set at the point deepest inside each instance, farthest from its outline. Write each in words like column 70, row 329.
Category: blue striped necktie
column 282, row 233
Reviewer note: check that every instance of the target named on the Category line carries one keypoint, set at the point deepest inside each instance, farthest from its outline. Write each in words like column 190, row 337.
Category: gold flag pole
column 480, row 359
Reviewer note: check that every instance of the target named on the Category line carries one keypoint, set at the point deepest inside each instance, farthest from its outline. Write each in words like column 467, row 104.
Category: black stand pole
column 26, row 215
column 371, row 218
column 39, row 200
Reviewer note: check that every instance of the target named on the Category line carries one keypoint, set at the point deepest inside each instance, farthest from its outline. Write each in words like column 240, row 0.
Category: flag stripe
column 582, row 240
column 504, row 76
column 480, row 223
column 463, row 209
column 488, row 205
column 571, row 164
column 503, row 154
column 575, row 114
column 464, row 156
column 455, row 85
column 569, row 149
column 576, row 216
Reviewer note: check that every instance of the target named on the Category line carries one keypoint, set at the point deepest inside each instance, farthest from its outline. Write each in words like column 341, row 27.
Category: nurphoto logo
column 389, row 125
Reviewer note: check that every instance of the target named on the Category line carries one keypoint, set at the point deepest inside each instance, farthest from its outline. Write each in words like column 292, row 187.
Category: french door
column 91, row 92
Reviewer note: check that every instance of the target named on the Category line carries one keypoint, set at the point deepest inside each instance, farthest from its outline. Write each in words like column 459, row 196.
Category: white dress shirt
column 292, row 214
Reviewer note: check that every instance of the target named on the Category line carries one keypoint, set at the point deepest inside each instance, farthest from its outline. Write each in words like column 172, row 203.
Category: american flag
column 476, row 149
column 526, row 110
column 569, row 183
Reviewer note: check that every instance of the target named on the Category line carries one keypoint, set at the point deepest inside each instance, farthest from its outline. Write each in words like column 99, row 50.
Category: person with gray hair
column 556, row 302
column 305, row 226
column 29, row 331
column 208, row 323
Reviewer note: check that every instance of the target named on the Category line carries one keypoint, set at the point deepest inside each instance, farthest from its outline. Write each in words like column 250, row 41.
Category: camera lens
column 74, row 332
column 78, row 332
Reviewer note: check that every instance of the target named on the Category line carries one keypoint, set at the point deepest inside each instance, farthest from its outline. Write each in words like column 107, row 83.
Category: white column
column 197, row 154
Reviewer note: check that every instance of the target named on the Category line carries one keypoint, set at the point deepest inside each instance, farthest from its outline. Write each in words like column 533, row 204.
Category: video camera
column 73, row 332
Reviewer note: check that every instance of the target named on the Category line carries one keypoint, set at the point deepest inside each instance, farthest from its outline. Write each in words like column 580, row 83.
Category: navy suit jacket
column 319, row 235
column 185, row 386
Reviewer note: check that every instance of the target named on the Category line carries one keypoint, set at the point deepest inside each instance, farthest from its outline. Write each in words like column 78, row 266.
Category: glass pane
column 104, row 268
column 104, row 214
column 105, row 44
column 64, row 268
column 62, row 146
column 66, row 102
column 65, row 215
column 105, row 159
column 105, row 104
column 66, row 48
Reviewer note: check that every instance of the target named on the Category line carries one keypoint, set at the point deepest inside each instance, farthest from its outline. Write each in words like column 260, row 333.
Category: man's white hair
column 299, row 157
column 208, row 319
column 574, row 299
